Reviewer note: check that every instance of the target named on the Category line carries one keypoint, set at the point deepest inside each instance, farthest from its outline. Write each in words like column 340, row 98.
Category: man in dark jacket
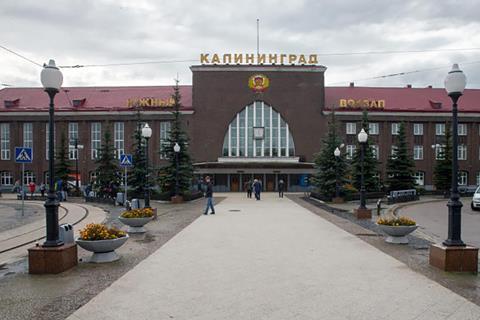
column 209, row 195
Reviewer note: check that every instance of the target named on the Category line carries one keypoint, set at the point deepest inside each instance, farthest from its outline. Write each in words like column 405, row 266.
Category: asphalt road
column 432, row 217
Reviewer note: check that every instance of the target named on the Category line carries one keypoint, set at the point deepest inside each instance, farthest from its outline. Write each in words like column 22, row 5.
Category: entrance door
column 234, row 182
column 270, row 182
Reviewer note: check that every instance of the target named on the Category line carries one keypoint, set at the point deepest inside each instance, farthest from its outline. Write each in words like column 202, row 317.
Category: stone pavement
column 272, row 259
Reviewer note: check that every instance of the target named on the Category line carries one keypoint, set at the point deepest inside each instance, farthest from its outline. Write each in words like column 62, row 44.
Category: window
column 119, row 142
column 28, row 177
column 462, row 178
column 440, row 129
column 351, row 128
column 393, row 152
column 418, row 129
column 375, row 151
column 4, row 141
column 478, row 178
column 28, row 135
column 165, row 128
column 241, row 140
column 462, row 129
column 350, row 151
column 462, row 152
column 72, row 137
column 93, row 176
column 419, row 178
column 439, row 152
column 6, row 178
column 96, row 139
column 417, row 152
column 395, row 128
column 373, row 128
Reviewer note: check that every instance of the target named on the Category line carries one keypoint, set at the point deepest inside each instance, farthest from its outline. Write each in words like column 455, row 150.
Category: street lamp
column 362, row 139
column 146, row 133
column 336, row 153
column 455, row 83
column 176, row 148
column 51, row 79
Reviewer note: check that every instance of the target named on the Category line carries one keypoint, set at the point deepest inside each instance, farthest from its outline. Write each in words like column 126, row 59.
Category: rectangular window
column 351, row 128
column 350, row 151
column 376, row 151
column 419, row 178
column 462, row 152
column 395, row 128
column 28, row 135
column 393, row 152
column 462, row 129
column 417, row 152
column 119, row 142
column 72, row 137
column 6, row 178
column 5, row 141
column 439, row 149
column 165, row 127
column 96, row 139
column 462, row 178
column 440, row 129
column 373, row 128
column 418, row 129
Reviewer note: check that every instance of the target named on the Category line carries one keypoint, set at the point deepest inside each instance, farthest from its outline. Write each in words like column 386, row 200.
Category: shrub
column 396, row 221
column 138, row 213
column 98, row 231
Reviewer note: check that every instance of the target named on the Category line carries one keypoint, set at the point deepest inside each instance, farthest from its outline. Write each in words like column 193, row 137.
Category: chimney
column 409, row 85
column 429, row 87
column 352, row 84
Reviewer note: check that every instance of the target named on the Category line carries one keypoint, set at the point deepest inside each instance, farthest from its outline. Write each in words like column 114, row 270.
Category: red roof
column 400, row 99
column 96, row 98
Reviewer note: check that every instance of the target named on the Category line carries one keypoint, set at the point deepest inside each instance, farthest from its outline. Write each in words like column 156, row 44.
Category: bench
column 402, row 196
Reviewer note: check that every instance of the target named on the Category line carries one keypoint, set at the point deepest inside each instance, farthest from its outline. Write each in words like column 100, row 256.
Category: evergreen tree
column 327, row 165
column 167, row 177
column 108, row 175
column 442, row 174
column 136, row 177
column 400, row 166
column 370, row 163
column 62, row 163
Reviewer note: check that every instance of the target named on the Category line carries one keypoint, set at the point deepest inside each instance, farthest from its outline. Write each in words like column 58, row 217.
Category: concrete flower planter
column 103, row 250
column 135, row 225
column 397, row 234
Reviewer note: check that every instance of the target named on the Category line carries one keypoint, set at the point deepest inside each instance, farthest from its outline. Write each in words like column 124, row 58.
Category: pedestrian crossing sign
column 126, row 160
column 23, row 155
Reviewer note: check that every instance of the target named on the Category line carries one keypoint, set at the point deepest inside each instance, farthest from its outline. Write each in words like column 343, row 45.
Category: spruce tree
column 327, row 165
column 136, row 177
column 442, row 174
column 370, row 163
column 108, row 175
column 168, row 173
column 62, row 163
column 400, row 166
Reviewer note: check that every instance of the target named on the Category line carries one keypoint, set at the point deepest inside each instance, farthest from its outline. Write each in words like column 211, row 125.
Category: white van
column 475, row 205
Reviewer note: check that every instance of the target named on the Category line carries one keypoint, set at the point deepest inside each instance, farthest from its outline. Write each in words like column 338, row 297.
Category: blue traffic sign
column 23, row 155
column 126, row 160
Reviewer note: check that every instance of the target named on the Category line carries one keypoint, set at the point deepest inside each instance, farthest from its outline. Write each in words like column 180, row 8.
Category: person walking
column 248, row 187
column 281, row 187
column 43, row 188
column 209, row 195
column 32, row 187
column 257, row 188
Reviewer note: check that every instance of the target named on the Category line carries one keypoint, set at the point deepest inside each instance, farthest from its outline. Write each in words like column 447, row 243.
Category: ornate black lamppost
column 362, row 212
column 176, row 149
column 454, row 85
column 51, row 79
column 336, row 153
column 147, row 133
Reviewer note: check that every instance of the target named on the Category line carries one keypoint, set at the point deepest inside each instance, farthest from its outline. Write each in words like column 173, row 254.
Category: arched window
column 258, row 131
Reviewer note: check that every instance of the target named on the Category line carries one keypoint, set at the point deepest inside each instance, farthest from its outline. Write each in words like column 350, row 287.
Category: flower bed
column 396, row 221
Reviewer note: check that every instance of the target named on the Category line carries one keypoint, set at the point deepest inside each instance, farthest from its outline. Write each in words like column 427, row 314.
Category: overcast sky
column 116, row 31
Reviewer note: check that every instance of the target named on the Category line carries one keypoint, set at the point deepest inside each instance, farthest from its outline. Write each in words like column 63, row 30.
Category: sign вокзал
column 361, row 103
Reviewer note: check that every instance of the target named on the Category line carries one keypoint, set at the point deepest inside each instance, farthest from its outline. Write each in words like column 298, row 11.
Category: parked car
column 475, row 205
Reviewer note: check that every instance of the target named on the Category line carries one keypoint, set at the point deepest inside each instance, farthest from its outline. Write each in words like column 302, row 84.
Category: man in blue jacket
column 209, row 195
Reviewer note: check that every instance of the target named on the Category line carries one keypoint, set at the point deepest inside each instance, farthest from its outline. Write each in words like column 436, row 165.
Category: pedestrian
column 43, row 187
column 281, row 187
column 256, row 188
column 260, row 188
column 16, row 188
column 208, row 195
column 32, row 187
column 248, row 187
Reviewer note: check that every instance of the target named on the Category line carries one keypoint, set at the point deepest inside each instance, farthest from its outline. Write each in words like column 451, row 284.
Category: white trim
column 229, row 139
column 259, row 68
column 263, row 125
column 238, row 134
column 260, row 160
column 254, row 125
column 279, row 135
column 287, row 139
column 407, row 114
column 34, row 113
column 271, row 131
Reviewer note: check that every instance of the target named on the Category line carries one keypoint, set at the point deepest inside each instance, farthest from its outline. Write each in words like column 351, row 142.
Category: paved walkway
column 272, row 260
